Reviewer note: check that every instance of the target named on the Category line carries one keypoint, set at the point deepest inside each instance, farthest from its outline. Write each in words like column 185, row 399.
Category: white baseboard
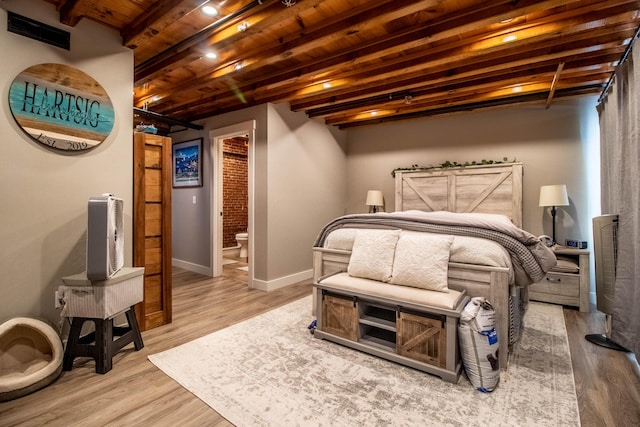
column 196, row 268
column 231, row 251
column 281, row 282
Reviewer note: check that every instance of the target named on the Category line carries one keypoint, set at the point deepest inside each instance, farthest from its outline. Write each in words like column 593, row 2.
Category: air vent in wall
column 38, row 31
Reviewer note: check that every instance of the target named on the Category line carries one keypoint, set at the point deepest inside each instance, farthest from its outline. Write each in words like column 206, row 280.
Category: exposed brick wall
column 235, row 199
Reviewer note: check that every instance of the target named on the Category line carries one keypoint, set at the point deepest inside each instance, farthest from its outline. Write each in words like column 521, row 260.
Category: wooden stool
column 104, row 346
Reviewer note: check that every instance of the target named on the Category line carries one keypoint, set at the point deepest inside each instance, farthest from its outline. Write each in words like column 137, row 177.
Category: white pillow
column 342, row 238
column 372, row 254
column 422, row 260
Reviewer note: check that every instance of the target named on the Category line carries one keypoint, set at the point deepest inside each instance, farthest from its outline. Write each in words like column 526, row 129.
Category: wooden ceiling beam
column 494, row 103
column 442, row 56
column 421, row 35
column 228, row 43
column 489, row 82
column 437, row 82
column 460, row 26
column 443, row 93
column 554, row 84
column 268, row 91
column 185, row 51
column 449, row 58
column 456, row 67
column 415, row 36
column 375, row 51
column 470, row 96
column 281, row 50
column 74, row 10
column 156, row 19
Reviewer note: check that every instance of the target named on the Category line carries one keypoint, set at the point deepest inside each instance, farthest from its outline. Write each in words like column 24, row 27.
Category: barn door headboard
column 493, row 189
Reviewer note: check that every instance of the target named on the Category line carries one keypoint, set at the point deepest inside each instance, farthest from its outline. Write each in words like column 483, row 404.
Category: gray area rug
column 270, row 371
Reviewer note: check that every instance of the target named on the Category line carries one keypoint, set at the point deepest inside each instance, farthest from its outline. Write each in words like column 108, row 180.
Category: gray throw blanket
column 531, row 259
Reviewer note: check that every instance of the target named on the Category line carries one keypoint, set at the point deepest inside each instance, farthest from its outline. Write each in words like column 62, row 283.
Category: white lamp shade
column 374, row 198
column 554, row 195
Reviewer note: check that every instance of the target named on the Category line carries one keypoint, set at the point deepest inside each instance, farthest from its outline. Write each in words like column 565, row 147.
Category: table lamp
column 374, row 200
column 554, row 195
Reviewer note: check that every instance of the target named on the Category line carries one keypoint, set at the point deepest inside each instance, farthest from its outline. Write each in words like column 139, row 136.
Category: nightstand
column 565, row 286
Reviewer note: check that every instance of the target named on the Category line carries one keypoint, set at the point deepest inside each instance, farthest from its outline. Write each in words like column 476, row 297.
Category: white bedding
column 464, row 249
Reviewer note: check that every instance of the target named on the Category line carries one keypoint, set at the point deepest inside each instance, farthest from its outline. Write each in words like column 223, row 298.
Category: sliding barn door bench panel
column 417, row 332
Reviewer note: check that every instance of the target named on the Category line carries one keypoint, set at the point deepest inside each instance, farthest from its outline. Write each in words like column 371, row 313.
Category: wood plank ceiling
column 357, row 62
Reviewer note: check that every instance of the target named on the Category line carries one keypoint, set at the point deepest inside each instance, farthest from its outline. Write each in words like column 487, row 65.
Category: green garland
column 448, row 164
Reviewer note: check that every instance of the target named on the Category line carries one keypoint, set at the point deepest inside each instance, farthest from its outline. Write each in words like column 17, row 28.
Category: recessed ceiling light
column 509, row 38
column 238, row 66
column 243, row 27
column 326, row 85
column 506, row 21
column 517, row 88
column 211, row 55
column 209, row 10
column 374, row 113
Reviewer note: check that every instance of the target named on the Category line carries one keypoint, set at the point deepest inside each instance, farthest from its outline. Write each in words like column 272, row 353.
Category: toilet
column 243, row 241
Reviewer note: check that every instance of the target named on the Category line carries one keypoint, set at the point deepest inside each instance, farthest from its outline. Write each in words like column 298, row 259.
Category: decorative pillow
column 372, row 254
column 422, row 260
column 342, row 238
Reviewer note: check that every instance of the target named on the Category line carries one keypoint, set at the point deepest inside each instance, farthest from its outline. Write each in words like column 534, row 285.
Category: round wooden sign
column 61, row 107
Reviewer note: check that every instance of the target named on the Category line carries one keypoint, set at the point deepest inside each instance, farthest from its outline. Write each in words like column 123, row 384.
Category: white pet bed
column 30, row 356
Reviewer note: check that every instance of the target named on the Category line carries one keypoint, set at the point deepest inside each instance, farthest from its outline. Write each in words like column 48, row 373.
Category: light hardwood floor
column 136, row 393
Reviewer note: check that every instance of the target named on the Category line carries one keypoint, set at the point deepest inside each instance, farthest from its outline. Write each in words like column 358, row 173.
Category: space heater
column 105, row 237
column 605, row 247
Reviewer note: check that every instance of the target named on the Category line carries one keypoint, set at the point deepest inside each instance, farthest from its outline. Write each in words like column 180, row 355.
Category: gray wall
column 307, row 175
column 44, row 193
column 300, row 171
column 556, row 146
column 191, row 222
column 303, row 178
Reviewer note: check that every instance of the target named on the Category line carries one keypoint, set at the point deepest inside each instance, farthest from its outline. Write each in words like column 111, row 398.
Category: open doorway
column 242, row 131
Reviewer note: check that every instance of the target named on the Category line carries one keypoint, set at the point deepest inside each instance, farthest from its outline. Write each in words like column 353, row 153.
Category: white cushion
column 372, row 254
column 398, row 294
column 422, row 260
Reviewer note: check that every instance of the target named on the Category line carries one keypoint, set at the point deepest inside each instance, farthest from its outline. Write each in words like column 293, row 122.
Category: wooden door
column 152, row 226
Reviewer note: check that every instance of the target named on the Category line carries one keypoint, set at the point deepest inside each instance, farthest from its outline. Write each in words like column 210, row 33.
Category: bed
column 423, row 200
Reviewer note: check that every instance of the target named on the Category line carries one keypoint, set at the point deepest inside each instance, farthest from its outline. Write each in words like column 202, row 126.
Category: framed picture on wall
column 187, row 164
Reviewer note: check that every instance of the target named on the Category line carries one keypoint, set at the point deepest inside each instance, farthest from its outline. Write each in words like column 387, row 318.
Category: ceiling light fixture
column 211, row 55
column 243, row 27
column 509, row 38
column 506, row 21
column 288, row 3
column 209, row 10
column 238, row 66
column 326, row 85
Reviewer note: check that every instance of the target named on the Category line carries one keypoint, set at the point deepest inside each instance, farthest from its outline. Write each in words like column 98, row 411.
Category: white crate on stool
column 100, row 301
